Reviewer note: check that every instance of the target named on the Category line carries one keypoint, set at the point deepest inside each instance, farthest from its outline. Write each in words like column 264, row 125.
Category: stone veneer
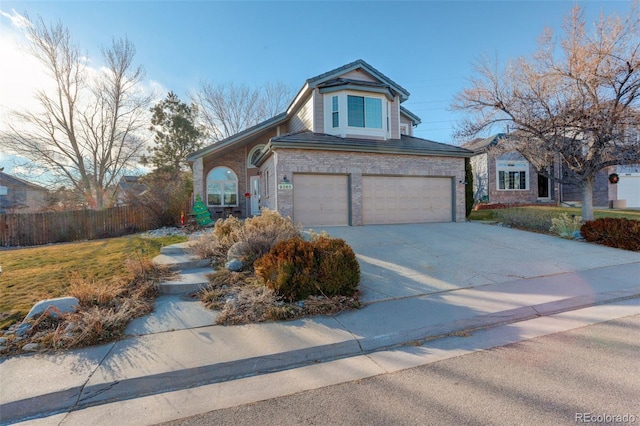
column 356, row 164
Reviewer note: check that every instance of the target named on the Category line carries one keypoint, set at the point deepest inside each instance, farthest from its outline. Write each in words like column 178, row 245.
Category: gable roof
column 265, row 125
column 325, row 80
column 481, row 144
column 12, row 180
column 358, row 64
column 408, row 145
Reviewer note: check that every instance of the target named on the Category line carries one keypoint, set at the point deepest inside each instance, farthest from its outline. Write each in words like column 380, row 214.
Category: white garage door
column 406, row 199
column 629, row 189
column 320, row 200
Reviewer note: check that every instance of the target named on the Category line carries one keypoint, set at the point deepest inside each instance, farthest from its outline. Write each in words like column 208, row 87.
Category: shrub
column 613, row 232
column 523, row 218
column 566, row 226
column 259, row 234
column 296, row 269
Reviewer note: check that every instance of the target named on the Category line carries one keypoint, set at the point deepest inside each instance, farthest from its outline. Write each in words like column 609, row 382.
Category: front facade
column 342, row 154
column 508, row 178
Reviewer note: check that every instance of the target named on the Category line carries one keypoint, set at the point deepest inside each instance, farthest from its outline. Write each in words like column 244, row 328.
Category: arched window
column 222, row 187
column 253, row 155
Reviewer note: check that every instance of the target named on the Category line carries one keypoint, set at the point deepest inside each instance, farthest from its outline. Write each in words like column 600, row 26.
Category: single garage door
column 629, row 189
column 406, row 199
column 321, row 199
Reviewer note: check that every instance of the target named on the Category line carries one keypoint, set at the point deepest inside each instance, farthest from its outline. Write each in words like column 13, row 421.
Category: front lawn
column 551, row 211
column 36, row 273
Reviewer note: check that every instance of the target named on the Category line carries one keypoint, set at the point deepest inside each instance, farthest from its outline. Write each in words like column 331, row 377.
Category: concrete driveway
column 400, row 261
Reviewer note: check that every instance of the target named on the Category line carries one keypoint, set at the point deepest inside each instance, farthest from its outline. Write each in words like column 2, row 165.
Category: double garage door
column 323, row 200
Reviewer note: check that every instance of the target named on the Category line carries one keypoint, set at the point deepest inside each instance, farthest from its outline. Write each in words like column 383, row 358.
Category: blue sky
column 428, row 47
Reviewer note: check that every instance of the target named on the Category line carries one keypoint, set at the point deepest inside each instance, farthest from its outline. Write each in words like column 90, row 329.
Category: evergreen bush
column 613, row 232
column 296, row 269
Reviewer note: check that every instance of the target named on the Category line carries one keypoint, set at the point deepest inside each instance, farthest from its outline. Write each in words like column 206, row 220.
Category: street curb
column 81, row 397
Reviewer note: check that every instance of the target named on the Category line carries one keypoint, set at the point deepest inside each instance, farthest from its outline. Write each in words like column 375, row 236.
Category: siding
column 359, row 75
column 303, row 118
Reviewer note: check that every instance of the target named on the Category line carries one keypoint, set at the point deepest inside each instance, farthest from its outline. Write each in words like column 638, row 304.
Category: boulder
column 240, row 250
column 234, row 265
column 61, row 304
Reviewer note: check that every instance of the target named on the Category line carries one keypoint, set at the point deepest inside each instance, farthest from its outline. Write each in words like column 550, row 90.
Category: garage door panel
column 629, row 189
column 406, row 199
column 321, row 200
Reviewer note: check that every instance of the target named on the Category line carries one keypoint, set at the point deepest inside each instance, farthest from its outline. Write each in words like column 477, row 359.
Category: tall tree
column 86, row 130
column 176, row 134
column 578, row 103
column 229, row 108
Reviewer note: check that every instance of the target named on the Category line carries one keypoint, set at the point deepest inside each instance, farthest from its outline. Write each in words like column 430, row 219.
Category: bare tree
column 577, row 105
column 229, row 108
column 85, row 132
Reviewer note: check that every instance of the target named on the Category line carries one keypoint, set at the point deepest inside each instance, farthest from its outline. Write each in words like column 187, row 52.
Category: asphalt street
column 587, row 375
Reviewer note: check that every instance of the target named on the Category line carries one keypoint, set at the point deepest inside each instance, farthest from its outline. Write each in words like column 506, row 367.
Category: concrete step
column 180, row 262
column 187, row 281
column 173, row 312
column 179, row 248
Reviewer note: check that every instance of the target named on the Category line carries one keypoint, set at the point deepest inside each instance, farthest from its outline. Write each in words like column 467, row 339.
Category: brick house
column 508, row 178
column 343, row 153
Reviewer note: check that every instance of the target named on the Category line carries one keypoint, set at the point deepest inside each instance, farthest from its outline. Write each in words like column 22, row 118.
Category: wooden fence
column 30, row 229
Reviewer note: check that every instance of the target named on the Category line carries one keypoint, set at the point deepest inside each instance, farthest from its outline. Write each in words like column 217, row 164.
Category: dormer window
column 356, row 114
column 364, row 112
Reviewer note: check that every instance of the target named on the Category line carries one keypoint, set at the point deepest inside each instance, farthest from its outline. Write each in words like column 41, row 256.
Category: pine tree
column 203, row 218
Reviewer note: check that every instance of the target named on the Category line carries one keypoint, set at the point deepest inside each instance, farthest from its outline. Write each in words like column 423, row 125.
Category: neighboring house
column 129, row 188
column 343, row 153
column 19, row 196
column 508, row 178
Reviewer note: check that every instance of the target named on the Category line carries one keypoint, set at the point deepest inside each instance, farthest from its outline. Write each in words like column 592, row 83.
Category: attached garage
column 629, row 189
column 321, row 200
column 406, row 199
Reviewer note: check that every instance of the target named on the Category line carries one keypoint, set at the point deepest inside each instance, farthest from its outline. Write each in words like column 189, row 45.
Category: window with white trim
column 364, row 112
column 253, row 155
column 4, row 190
column 512, row 175
column 222, row 188
column 335, row 118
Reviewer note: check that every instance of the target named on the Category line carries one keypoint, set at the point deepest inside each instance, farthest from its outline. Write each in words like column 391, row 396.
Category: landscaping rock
column 61, row 304
column 23, row 329
column 234, row 265
column 31, row 347
column 240, row 250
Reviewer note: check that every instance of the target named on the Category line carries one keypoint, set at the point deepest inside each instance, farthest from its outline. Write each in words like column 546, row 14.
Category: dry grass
column 114, row 281
column 241, row 299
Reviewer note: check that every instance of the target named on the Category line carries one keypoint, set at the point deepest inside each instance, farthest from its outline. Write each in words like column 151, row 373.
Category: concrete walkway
column 410, row 298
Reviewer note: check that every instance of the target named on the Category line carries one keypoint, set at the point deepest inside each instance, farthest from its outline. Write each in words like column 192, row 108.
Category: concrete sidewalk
column 418, row 283
column 40, row 385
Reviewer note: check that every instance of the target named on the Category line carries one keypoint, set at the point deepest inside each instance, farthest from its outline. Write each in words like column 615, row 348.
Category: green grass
column 37, row 273
column 554, row 211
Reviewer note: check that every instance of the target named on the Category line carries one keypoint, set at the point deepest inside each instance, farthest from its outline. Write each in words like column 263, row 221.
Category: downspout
column 275, row 177
column 247, row 211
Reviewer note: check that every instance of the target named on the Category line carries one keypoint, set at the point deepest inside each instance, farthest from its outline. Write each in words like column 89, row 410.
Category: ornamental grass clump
column 566, row 226
column 258, row 234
